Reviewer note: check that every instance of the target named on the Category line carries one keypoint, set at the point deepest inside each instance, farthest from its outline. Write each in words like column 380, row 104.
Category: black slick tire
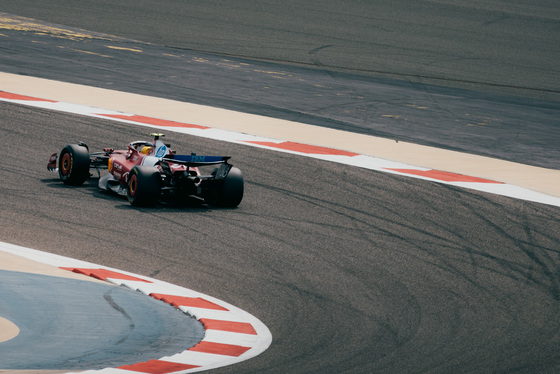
column 144, row 186
column 73, row 165
column 230, row 191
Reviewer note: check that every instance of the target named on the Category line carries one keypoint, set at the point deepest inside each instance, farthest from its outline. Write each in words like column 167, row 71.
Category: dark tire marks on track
column 352, row 270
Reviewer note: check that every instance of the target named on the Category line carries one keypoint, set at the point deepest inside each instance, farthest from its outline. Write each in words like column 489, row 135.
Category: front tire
column 73, row 165
column 144, row 186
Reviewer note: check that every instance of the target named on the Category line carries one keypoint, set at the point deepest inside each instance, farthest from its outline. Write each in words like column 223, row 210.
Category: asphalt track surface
column 352, row 271
column 496, row 45
column 505, row 127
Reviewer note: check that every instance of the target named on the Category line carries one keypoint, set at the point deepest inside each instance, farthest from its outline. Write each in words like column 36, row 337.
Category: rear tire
column 73, row 165
column 230, row 193
column 144, row 186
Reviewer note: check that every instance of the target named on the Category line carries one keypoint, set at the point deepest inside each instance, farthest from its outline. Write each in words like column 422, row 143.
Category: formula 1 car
column 148, row 172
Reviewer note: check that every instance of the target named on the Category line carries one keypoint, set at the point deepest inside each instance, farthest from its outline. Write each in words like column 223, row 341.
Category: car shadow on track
column 194, row 205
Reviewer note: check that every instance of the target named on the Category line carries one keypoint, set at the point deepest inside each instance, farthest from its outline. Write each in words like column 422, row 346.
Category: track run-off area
column 399, row 267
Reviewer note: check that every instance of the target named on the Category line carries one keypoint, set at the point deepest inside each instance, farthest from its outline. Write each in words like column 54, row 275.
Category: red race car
column 149, row 171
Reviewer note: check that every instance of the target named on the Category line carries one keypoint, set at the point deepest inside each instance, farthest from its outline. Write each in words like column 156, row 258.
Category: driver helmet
column 146, row 150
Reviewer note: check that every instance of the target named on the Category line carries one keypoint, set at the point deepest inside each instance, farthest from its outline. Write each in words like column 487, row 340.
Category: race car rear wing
column 196, row 161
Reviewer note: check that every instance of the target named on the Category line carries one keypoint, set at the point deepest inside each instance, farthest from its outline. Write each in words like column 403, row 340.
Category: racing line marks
column 152, row 121
column 444, row 176
column 305, row 148
column 11, row 96
column 158, row 367
column 239, row 327
column 104, row 274
column 179, row 301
